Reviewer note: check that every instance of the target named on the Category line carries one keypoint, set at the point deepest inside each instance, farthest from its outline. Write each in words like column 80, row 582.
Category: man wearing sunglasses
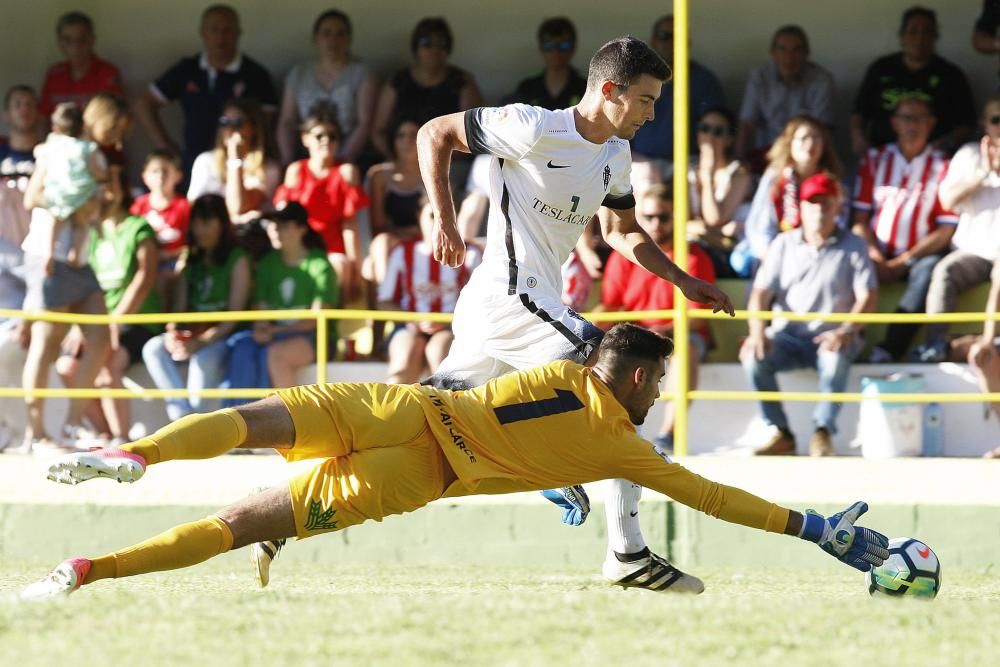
column 654, row 142
column 550, row 172
column 559, row 86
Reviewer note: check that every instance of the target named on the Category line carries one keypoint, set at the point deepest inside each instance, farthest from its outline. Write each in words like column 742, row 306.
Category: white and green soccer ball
column 912, row 569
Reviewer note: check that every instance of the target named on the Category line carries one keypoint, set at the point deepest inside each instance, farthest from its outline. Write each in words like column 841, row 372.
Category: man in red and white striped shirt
column 417, row 283
column 897, row 211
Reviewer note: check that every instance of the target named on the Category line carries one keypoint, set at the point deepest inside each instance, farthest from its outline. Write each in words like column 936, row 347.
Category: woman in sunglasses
column 238, row 168
column 331, row 194
column 428, row 88
column 718, row 186
column 805, row 147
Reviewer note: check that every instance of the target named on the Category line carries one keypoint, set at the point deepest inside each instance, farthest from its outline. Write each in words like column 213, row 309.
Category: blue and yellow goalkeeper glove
column 573, row 500
column 861, row 548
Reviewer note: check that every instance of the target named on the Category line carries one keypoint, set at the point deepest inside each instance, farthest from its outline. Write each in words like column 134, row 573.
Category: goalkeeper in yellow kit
column 390, row 449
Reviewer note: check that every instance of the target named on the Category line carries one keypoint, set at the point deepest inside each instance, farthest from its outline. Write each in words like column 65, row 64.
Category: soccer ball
column 911, row 569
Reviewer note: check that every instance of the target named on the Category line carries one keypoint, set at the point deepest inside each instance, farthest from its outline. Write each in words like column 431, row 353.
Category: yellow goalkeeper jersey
column 558, row 425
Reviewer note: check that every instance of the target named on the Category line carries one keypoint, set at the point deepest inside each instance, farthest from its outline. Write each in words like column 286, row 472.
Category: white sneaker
column 650, row 572
column 60, row 582
column 261, row 556
column 115, row 464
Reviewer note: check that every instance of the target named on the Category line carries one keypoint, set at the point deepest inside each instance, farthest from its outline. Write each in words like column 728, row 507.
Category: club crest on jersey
column 494, row 115
column 607, row 176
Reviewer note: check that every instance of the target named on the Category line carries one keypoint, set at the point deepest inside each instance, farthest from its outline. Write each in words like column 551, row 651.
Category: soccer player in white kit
column 551, row 171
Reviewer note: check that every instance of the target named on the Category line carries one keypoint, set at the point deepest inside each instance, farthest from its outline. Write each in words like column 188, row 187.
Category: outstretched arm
column 436, row 141
column 623, row 233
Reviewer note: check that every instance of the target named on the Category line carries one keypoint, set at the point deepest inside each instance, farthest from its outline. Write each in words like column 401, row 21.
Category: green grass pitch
column 471, row 615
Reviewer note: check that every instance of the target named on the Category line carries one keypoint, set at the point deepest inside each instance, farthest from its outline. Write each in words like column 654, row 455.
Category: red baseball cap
column 819, row 185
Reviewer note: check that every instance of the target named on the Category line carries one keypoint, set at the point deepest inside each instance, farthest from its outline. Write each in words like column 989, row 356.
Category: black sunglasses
column 715, row 130
column 432, row 42
column 235, row 123
column 564, row 46
column 995, row 120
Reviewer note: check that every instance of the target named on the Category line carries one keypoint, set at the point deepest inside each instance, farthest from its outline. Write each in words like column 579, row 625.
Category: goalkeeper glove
column 861, row 548
column 573, row 500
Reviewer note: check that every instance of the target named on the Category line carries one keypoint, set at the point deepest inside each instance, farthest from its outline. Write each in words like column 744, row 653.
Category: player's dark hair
column 68, row 119
column 791, row 31
column 623, row 61
column 212, row 207
column 165, row 155
column 431, row 26
column 918, row 11
column 333, row 14
column 630, row 342
column 74, row 18
column 14, row 90
column 559, row 25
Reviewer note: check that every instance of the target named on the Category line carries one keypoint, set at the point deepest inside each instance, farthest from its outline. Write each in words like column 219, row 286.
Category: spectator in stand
column 295, row 275
column 804, row 148
column 788, row 86
column 238, row 168
column 428, row 88
column 972, row 190
column 336, row 78
column 915, row 71
column 213, row 276
column 203, row 84
column 82, row 75
column 124, row 255
column 167, row 212
column 654, row 142
column 627, row 286
column 984, row 357
column 817, row 267
column 331, row 193
column 107, row 120
column 415, row 282
column 898, row 212
column 984, row 35
column 17, row 163
column 718, row 188
column 396, row 192
column 559, row 86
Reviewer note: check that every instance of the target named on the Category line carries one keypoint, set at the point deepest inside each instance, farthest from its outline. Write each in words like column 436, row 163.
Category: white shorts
column 498, row 333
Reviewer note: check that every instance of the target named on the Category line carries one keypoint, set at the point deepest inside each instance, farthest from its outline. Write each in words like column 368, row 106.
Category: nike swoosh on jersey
column 558, row 166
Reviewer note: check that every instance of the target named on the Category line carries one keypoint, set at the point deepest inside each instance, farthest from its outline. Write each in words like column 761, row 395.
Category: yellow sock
column 192, row 437
column 182, row 546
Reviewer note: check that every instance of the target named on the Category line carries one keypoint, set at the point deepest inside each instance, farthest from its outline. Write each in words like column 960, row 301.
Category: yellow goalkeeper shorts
column 381, row 458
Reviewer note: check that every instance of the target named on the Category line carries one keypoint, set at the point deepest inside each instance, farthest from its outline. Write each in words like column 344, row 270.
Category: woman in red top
column 331, row 194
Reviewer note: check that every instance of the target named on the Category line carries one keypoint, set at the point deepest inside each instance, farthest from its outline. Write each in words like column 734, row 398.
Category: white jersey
column 546, row 183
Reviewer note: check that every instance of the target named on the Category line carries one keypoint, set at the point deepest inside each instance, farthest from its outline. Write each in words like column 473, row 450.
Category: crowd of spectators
column 313, row 199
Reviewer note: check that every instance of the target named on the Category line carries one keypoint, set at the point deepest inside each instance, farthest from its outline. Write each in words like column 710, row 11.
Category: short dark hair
column 631, row 342
column 917, row 11
column 74, row 18
column 431, row 25
column 792, row 31
column 208, row 207
column 333, row 14
column 68, row 119
column 220, row 8
column 623, row 61
column 559, row 25
column 726, row 113
column 14, row 90
column 165, row 155
column 323, row 112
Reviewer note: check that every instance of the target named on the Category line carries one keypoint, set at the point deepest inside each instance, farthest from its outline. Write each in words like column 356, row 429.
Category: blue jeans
column 792, row 351
column 205, row 370
column 248, row 364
